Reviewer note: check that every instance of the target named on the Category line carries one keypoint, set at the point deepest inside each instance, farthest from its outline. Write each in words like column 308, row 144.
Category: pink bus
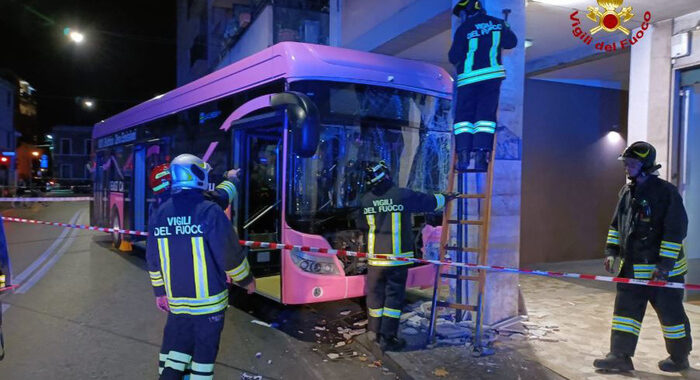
column 302, row 179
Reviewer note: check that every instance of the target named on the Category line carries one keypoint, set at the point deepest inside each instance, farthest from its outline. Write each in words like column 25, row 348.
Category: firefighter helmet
column 160, row 178
column 189, row 172
column 470, row 6
column 643, row 152
column 377, row 173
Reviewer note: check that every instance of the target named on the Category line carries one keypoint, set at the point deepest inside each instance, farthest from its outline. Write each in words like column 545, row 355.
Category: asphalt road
column 86, row 311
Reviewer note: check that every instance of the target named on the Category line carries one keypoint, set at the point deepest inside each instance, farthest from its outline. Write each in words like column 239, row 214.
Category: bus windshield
column 362, row 124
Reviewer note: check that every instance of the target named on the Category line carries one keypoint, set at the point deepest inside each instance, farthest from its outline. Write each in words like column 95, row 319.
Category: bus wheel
column 116, row 224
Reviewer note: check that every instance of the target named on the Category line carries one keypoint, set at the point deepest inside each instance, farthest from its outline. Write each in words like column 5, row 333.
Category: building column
column 335, row 23
column 650, row 91
column 501, row 297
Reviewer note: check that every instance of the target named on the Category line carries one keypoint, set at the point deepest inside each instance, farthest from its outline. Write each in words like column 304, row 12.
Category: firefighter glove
column 610, row 264
column 659, row 275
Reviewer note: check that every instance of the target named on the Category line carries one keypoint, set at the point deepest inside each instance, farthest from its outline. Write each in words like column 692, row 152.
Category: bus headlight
column 314, row 264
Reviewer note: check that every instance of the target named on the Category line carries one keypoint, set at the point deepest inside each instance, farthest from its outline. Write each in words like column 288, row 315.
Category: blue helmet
column 189, row 172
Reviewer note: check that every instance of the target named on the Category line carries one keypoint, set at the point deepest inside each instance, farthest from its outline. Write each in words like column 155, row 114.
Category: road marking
column 41, row 259
column 50, row 263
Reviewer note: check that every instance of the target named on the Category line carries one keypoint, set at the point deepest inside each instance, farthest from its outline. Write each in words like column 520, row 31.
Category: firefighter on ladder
column 386, row 221
column 192, row 252
column 646, row 234
column 476, row 54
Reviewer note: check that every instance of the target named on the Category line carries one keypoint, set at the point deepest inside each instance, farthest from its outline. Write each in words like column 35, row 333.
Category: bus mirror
column 304, row 121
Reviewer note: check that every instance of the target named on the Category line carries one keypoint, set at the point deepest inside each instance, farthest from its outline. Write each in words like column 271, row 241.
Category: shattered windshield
column 362, row 124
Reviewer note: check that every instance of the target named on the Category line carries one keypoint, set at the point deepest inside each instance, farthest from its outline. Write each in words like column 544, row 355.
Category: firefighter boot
column 615, row 362
column 392, row 343
column 481, row 160
column 671, row 364
column 463, row 159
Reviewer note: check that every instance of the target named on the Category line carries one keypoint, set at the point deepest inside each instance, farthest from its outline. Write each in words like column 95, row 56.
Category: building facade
column 71, row 154
column 7, row 132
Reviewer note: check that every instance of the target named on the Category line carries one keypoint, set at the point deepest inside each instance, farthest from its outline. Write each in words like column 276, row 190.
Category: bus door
column 146, row 157
column 258, row 152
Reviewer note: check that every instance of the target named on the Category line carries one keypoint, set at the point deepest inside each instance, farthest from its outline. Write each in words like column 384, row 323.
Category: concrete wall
column 371, row 12
column 256, row 38
column 571, row 175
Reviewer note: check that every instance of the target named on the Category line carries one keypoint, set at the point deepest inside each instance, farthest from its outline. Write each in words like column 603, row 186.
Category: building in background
column 8, row 89
column 214, row 33
column 71, row 154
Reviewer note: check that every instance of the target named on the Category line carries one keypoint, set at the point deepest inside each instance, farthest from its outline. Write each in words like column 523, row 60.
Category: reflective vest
column 476, row 48
column 648, row 228
column 191, row 248
column 388, row 225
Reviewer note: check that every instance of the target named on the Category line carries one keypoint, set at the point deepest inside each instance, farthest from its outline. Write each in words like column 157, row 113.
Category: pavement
column 90, row 314
column 86, row 311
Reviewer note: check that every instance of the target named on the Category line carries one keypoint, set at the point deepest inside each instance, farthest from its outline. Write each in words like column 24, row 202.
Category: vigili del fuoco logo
column 612, row 18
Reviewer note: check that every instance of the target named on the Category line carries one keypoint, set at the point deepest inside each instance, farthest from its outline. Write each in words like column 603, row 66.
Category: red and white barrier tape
column 45, row 199
column 79, row 226
column 342, row 252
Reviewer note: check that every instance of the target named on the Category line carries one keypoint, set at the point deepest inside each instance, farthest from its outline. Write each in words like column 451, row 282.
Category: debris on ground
column 247, row 376
column 261, row 323
column 440, row 372
column 333, row 356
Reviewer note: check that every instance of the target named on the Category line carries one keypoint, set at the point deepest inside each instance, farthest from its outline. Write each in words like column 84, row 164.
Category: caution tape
column 342, row 252
column 9, row 287
column 78, row 226
column 45, row 199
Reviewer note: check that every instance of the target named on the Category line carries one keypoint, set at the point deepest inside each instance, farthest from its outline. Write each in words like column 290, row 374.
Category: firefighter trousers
column 386, row 290
column 190, row 346
column 475, row 115
column 630, row 306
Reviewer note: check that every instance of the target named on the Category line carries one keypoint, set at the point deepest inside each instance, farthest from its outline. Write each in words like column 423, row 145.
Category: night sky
column 128, row 55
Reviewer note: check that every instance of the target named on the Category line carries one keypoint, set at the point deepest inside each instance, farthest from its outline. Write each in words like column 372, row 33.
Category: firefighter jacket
column 476, row 48
column 387, row 220
column 191, row 248
column 648, row 229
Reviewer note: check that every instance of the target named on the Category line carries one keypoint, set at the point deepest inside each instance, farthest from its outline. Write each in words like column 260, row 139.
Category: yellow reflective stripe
column 371, row 237
column 240, row 272
column 230, row 189
column 669, row 254
column 396, row 232
column 392, row 313
column 164, row 253
column 376, row 313
column 155, row 275
column 201, row 367
column 671, row 245
column 469, row 61
column 440, row 201
column 185, row 301
column 495, row 44
column 199, row 262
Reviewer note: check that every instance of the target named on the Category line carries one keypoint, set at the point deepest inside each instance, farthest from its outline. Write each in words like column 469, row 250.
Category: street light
column 35, row 153
column 49, row 137
column 88, row 103
column 74, row 35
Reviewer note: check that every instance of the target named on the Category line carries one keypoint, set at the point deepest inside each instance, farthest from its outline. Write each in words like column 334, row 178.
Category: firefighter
column 386, row 221
column 192, row 252
column 476, row 54
column 646, row 235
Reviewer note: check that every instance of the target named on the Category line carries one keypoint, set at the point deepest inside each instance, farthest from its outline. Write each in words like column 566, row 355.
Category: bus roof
column 292, row 61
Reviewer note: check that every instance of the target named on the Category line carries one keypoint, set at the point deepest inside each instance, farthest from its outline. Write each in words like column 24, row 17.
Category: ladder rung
column 463, row 249
column 469, row 171
column 465, row 278
column 457, row 306
column 472, row 196
column 470, row 222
